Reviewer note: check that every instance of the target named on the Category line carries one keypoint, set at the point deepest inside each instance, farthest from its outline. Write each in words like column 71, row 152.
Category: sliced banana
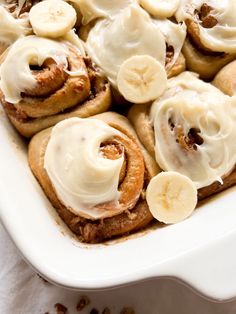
column 160, row 8
column 141, row 79
column 52, row 18
column 171, row 197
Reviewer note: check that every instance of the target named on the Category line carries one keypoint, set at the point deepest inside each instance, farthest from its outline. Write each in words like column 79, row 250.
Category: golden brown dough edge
column 99, row 104
column 225, row 80
column 205, row 65
column 217, row 187
column 139, row 117
column 178, row 67
column 88, row 230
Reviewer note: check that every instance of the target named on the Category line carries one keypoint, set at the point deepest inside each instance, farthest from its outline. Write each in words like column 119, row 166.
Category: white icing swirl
column 132, row 32
column 10, row 28
column 81, row 176
column 174, row 34
column 15, row 73
column 74, row 39
column 160, row 8
column 222, row 36
column 189, row 107
column 93, row 9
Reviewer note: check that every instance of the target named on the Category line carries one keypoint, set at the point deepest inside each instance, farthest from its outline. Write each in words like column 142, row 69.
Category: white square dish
column 200, row 250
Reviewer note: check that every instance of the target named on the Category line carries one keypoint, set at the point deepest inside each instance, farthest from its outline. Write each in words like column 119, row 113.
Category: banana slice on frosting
column 52, row 18
column 160, row 8
column 130, row 33
column 141, row 79
column 171, row 197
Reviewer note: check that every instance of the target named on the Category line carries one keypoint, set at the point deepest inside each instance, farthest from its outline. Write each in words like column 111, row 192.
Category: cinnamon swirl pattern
column 42, row 78
column 212, row 33
column 95, row 173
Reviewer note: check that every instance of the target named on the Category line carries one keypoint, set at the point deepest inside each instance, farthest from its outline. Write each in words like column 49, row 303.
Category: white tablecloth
column 24, row 292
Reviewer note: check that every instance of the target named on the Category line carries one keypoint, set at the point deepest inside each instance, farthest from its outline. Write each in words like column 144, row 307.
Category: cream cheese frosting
column 15, row 73
column 81, row 176
column 93, row 9
column 221, row 37
column 131, row 32
column 10, row 28
column 174, row 34
column 195, row 131
column 160, row 8
column 74, row 39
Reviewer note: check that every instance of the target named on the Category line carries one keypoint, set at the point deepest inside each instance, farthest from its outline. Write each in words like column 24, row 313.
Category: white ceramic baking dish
column 200, row 251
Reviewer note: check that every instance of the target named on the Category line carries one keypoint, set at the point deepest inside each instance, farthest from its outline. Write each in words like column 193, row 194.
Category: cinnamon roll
column 211, row 35
column 110, row 42
column 44, row 81
column 191, row 129
column 94, row 171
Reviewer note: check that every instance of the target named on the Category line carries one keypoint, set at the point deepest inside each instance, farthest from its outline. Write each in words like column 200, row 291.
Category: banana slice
column 52, row 18
column 160, row 8
column 141, row 79
column 171, row 197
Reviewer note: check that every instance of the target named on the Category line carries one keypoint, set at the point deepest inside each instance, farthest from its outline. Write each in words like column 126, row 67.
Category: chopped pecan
column 208, row 20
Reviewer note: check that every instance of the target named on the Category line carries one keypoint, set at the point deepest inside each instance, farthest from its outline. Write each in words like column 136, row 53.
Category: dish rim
column 13, row 157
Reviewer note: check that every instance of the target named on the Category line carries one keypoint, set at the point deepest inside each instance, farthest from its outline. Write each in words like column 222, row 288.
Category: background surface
column 22, row 291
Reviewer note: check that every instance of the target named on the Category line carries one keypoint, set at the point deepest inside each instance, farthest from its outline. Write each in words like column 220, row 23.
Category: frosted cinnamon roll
column 94, row 171
column 132, row 32
column 212, row 32
column 191, row 129
column 44, row 81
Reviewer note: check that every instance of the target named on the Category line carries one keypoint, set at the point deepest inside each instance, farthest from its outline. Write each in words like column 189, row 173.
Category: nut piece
column 60, row 308
column 83, row 302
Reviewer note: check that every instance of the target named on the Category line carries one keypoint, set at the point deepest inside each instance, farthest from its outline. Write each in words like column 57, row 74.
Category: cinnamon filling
column 50, row 77
column 113, row 150
column 131, row 178
column 188, row 142
column 169, row 53
column 208, row 20
column 27, row 6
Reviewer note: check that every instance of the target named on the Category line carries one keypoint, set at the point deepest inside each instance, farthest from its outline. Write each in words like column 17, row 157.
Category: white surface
column 23, row 292
column 199, row 250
